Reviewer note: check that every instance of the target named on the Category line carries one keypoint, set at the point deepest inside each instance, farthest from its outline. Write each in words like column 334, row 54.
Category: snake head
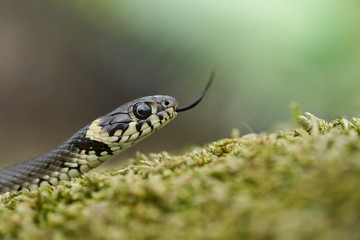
column 133, row 121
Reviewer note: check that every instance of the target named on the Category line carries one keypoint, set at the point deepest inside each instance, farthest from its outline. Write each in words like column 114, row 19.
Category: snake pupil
column 142, row 110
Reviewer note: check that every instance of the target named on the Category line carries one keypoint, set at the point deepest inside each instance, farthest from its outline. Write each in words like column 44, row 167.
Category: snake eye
column 142, row 110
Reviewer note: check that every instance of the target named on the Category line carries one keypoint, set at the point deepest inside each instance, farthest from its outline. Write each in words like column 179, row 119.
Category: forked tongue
column 196, row 102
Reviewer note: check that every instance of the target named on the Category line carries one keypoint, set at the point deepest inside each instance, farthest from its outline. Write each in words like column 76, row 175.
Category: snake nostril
column 166, row 103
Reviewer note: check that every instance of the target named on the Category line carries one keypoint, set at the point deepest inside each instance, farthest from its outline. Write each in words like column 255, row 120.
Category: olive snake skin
column 95, row 143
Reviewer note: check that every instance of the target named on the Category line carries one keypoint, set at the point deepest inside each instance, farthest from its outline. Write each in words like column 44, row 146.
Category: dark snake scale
column 97, row 142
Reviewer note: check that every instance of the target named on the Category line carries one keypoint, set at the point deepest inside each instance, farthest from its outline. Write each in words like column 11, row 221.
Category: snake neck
column 76, row 156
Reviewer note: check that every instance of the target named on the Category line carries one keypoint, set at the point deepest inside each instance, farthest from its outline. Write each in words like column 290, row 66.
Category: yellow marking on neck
column 97, row 133
column 103, row 133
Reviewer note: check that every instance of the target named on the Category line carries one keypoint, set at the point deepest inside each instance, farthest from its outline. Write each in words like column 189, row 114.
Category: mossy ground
column 300, row 184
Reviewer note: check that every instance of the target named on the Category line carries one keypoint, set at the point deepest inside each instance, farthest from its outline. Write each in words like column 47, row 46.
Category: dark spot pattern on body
column 78, row 168
column 62, row 165
column 47, row 165
column 43, row 180
column 91, row 145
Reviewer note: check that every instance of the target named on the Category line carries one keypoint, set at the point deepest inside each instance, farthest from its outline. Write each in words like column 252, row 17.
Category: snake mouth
column 137, row 131
column 152, row 124
column 121, row 134
column 196, row 102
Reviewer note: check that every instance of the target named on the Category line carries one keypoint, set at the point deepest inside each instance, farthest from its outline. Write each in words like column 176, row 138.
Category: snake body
column 95, row 143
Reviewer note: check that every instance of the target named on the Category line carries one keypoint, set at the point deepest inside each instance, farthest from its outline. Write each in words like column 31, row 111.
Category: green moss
column 302, row 184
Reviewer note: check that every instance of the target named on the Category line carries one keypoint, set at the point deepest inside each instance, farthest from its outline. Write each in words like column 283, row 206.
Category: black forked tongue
column 194, row 103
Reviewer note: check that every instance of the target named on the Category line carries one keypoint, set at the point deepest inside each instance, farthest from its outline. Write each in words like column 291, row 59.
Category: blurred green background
column 64, row 63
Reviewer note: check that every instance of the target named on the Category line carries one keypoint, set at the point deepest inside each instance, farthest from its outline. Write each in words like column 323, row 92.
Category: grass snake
column 95, row 143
